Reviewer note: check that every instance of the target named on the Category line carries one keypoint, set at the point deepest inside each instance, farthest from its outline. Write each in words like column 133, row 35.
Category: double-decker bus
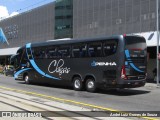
column 105, row 62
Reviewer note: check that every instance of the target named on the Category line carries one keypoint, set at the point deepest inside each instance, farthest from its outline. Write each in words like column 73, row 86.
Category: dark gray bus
column 106, row 62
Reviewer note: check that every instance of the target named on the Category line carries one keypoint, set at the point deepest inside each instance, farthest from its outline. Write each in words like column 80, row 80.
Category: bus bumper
column 131, row 83
column 123, row 84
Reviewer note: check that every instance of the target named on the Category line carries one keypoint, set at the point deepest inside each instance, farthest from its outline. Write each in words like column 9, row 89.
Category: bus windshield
column 14, row 60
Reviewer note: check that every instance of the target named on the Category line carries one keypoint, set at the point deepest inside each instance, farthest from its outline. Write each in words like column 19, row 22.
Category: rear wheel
column 90, row 85
column 26, row 79
column 77, row 84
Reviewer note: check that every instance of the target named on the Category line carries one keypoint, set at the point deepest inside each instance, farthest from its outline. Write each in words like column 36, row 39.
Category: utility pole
column 157, row 41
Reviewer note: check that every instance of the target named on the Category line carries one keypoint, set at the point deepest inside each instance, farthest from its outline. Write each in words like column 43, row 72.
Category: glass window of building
column 63, row 19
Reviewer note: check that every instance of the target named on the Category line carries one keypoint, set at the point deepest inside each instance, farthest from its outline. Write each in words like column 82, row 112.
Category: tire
column 77, row 84
column 26, row 79
column 90, row 85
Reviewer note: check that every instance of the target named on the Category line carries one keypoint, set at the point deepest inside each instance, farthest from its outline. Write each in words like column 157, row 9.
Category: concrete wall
column 111, row 17
column 33, row 26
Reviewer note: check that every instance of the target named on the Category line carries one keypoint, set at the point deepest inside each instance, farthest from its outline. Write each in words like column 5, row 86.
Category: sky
column 14, row 7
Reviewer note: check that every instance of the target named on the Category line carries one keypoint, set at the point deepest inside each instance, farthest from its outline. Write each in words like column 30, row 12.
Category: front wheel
column 77, row 84
column 91, row 85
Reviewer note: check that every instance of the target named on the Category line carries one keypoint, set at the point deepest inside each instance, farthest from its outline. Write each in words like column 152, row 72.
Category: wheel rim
column 26, row 79
column 90, row 84
column 77, row 84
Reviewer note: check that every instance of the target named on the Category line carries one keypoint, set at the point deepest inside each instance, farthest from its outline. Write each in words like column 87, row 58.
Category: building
column 109, row 17
column 80, row 19
column 51, row 21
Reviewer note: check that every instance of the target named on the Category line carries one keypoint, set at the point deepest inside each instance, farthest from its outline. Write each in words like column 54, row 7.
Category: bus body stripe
column 134, row 67
column 20, row 71
column 40, row 71
column 127, row 54
column 36, row 67
column 131, row 64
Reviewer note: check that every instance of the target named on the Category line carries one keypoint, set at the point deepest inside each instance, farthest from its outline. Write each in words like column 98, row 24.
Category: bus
column 106, row 62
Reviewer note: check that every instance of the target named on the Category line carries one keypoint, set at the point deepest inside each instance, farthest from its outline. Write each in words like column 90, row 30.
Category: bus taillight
column 123, row 73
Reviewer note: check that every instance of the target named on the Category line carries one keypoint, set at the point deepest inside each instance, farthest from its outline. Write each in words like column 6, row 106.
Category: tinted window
column 95, row 49
column 52, row 52
column 79, row 50
column 29, row 53
column 110, row 47
column 63, row 51
column 24, row 57
column 134, row 42
column 36, row 53
column 40, row 52
column 15, row 60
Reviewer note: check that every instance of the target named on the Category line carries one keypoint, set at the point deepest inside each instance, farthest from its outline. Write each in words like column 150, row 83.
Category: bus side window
column 110, row 47
column 79, row 51
column 42, row 53
column 36, row 53
column 95, row 49
column 63, row 51
column 52, row 52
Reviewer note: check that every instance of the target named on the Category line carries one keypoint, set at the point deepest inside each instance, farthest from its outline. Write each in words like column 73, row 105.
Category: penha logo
column 3, row 38
column 94, row 64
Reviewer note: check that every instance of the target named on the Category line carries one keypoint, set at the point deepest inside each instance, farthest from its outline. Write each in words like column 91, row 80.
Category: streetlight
column 157, row 41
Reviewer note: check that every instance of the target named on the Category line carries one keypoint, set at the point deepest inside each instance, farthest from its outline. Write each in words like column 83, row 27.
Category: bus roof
column 71, row 41
column 59, row 39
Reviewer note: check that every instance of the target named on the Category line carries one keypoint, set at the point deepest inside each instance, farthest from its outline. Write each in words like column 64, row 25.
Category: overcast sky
column 13, row 7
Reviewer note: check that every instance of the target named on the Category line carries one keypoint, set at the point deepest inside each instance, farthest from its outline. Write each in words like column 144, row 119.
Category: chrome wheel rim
column 90, row 84
column 26, row 79
column 77, row 84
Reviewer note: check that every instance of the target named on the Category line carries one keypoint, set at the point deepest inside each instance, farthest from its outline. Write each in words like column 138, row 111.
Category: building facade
column 112, row 17
column 63, row 19
column 32, row 26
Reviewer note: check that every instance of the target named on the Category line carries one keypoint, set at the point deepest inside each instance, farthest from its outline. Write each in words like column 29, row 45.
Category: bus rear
column 134, row 69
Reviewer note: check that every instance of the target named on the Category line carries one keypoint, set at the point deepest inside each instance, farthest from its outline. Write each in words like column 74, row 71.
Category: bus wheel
column 90, row 85
column 26, row 79
column 77, row 84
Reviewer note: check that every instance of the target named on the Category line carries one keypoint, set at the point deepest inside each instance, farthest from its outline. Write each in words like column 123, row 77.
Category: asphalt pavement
column 19, row 106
